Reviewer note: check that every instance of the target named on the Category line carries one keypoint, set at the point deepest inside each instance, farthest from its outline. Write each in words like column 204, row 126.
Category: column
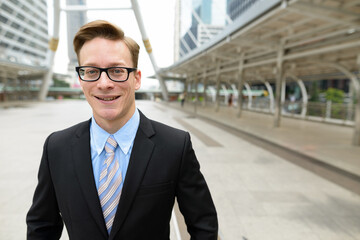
column 53, row 44
column 279, row 80
column 204, row 91
column 196, row 82
column 240, row 78
column 217, row 77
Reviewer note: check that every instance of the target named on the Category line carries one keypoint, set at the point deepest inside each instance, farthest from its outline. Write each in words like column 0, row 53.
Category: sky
column 159, row 21
column 158, row 17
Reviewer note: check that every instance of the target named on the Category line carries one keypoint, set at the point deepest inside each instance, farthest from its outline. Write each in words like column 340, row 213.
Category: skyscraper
column 24, row 31
column 203, row 27
column 74, row 21
column 236, row 7
column 23, row 47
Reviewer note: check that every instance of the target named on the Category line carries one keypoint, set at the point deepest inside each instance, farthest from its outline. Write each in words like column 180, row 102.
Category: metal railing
column 337, row 113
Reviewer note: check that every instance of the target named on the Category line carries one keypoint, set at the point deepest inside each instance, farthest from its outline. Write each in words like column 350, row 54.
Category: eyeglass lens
column 115, row 73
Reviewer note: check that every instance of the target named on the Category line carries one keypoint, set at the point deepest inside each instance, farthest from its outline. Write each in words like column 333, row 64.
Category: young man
column 116, row 175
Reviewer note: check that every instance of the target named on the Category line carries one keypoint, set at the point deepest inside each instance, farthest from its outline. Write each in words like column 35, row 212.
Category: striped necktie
column 110, row 180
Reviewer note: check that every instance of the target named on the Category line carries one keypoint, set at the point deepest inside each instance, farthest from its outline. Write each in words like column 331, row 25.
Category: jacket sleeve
column 194, row 199
column 43, row 219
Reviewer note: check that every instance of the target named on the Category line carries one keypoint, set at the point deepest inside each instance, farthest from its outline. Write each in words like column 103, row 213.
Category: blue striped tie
column 110, row 180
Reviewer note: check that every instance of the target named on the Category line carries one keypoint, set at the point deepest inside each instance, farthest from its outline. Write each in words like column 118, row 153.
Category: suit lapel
column 140, row 156
column 82, row 159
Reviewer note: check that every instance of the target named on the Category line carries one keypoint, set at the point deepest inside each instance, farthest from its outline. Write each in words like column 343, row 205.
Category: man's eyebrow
column 113, row 64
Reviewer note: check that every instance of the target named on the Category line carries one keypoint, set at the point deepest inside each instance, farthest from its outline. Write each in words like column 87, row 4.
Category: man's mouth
column 108, row 98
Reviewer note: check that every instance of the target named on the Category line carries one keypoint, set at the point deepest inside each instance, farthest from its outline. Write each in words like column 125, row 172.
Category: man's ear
column 137, row 79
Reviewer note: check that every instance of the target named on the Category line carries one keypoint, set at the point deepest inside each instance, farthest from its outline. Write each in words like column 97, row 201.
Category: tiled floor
column 258, row 195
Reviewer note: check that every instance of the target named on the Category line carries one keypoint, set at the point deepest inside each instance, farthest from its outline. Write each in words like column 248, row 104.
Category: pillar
column 148, row 47
column 53, row 44
column 249, row 93
column 204, row 91
column 279, row 80
column 217, row 77
column 196, row 81
column 240, row 78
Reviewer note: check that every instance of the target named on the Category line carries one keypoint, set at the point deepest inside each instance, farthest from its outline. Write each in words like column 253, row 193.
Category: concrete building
column 23, row 47
column 75, row 19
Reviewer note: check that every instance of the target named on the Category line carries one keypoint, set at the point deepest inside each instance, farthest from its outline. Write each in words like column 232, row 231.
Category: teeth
column 108, row 99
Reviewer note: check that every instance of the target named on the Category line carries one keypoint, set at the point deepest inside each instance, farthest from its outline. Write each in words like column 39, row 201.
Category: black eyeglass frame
column 129, row 70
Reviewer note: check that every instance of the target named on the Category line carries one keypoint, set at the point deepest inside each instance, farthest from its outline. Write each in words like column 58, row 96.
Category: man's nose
column 104, row 81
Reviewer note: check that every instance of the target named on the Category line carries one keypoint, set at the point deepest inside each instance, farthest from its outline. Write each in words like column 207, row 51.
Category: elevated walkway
column 325, row 145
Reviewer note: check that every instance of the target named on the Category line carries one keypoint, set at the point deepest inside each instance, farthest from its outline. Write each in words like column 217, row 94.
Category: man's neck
column 112, row 126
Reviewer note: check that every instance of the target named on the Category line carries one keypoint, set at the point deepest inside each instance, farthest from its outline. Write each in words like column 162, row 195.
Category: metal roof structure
column 310, row 33
column 281, row 40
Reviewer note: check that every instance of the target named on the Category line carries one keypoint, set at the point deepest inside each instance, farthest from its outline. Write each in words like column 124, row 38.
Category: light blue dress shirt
column 125, row 139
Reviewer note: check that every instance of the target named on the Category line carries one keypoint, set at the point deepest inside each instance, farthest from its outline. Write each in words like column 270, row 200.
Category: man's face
column 111, row 102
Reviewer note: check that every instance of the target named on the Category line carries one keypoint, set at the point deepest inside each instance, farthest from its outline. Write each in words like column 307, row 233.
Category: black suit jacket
column 162, row 166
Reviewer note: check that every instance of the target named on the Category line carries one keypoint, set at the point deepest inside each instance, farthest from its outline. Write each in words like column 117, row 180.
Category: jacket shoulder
column 169, row 137
column 153, row 128
column 67, row 133
column 161, row 128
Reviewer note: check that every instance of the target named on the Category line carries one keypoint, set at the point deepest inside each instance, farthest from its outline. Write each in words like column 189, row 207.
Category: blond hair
column 104, row 29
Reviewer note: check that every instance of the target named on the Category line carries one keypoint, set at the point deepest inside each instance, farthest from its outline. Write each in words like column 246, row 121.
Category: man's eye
column 119, row 71
column 91, row 72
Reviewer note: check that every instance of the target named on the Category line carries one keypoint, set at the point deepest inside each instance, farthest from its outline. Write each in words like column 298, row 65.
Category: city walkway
column 258, row 195
column 325, row 143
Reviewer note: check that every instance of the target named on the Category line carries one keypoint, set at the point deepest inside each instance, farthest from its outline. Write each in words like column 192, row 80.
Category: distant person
column 182, row 98
column 116, row 176
column 230, row 100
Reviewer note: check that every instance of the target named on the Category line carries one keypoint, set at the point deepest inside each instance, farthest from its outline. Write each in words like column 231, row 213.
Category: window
column 16, row 2
column 25, row 8
column 9, row 35
column 3, row 19
column 20, row 16
column 5, row 45
column 21, row 39
column 6, row 8
column 15, row 25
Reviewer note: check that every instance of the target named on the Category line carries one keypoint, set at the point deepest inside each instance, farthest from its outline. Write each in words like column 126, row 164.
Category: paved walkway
column 331, row 144
column 258, row 195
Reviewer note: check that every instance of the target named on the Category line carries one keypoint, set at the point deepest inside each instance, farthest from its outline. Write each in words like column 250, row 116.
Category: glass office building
column 203, row 27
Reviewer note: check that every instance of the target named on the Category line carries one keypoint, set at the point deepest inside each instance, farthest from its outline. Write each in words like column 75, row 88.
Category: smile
column 108, row 98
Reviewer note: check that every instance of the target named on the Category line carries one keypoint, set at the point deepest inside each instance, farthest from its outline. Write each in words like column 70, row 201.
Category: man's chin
column 108, row 114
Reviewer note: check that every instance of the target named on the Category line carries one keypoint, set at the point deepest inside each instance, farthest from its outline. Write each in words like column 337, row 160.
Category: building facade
column 23, row 47
column 234, row 8
column 24, row 31
column 75, row 20
column 203, row 27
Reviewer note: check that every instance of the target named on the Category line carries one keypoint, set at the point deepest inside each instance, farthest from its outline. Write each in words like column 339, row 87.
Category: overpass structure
column 279, row 41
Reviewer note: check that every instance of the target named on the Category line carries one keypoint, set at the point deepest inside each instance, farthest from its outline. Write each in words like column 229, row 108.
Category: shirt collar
column 124, row 136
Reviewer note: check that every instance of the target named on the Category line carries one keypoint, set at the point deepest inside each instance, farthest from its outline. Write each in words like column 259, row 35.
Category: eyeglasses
column 116, row 74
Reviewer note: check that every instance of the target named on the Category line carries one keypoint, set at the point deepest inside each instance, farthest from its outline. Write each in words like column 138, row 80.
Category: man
column 116, row 176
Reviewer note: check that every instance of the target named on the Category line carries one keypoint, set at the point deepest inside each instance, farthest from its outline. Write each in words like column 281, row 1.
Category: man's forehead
column 115, row 52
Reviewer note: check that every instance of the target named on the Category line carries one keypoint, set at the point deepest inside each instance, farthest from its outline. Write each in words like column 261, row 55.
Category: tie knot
column 110, row 145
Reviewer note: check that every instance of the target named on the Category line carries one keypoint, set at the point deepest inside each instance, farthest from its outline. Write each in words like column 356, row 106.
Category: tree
column 60, row 83
column 314, row 92
column 334, row 95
